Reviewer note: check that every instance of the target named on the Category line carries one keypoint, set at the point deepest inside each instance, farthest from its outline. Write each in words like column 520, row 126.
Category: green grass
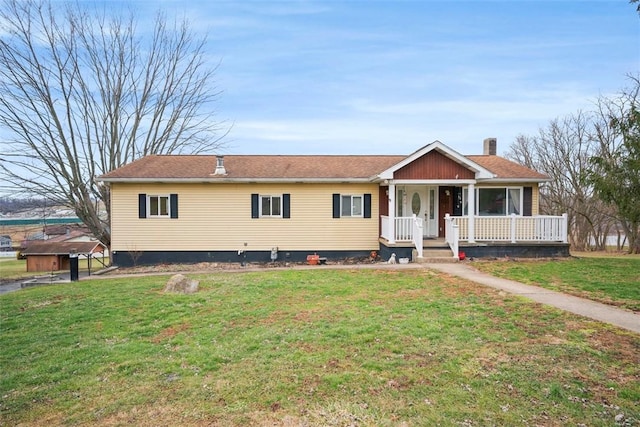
column 612, row 280
column 300, row 347
column 11, row 268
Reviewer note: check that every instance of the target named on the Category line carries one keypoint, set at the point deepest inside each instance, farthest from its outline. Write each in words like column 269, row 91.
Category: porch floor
column 436, row 242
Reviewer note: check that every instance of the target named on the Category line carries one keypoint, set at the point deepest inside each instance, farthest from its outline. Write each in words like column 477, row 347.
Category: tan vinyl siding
column 218, row 218
column 535, row 199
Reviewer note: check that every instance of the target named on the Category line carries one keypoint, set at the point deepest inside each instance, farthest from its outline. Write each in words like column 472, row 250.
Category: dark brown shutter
column 173, row 205
column 286, row 206
column 367, row 205
column 255, row 212
column 142, row 205
column 336, row 205
column 527, row 201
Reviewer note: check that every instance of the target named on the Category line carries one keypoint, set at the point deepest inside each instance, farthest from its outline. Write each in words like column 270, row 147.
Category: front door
column 421, row 201
column 417, row 204
column 445, row 206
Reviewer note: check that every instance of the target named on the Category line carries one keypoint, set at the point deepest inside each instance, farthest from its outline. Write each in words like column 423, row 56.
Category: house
column 5, row 243
column 195, row 208
column 67, row 233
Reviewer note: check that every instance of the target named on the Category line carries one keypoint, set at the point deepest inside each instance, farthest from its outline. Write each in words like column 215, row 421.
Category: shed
column 54, row 256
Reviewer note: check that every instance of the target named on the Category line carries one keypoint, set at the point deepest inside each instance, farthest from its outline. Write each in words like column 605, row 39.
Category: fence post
column 417, row 234
column 447, row 230
column 73, row 265
column 456, row 242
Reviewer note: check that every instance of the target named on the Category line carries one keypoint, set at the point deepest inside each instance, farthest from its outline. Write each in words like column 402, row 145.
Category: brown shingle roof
column 255, row 167
column 282, row 167
column 506, row 169
column 61, row 248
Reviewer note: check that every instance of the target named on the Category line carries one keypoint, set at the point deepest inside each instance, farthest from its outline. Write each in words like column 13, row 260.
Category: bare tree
column 594, row 163
column 615, row 167
column 562, row 150
column 82, row 94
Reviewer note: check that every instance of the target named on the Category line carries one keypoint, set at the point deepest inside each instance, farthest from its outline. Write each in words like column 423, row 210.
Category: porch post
column 392, row 213
column 471, row 212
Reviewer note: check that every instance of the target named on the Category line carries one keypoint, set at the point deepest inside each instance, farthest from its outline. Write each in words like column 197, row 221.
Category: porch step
column 437, row 253
column 435, row 256
column 450, row 260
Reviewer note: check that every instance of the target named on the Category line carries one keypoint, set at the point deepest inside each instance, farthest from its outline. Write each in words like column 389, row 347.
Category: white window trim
column 262, row 196
column 351, row 197
column 159, row 197
column 465, row 200
column 520, row 202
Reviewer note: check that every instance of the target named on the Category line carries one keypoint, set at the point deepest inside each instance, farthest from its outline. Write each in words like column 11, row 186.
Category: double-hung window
column 158, row 206
column 271, row 206
column 351, row 205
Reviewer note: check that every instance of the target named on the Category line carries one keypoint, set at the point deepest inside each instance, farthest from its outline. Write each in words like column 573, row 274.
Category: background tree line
column 593, row 159
column 13, row 204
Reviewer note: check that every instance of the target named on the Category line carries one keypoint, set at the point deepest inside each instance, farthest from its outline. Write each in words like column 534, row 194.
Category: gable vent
column 220, row 170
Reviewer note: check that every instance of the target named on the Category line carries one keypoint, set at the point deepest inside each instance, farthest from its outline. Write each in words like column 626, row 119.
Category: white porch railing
column 403, row 230
column 452, row 235
column 406, row 229
column 514, row 229
column 541, row 228
column 417, row 235
column 386, row 232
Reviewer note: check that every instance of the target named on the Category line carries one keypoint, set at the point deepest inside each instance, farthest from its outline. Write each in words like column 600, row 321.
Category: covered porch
column 476, row 201
column 421, row 213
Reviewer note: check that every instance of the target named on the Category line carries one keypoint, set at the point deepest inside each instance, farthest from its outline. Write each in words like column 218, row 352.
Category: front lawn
column 16, row 269
column 11, row 268
column 611, row 280
column 307, row 348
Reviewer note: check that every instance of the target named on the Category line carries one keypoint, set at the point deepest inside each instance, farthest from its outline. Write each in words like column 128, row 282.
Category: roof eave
column 236, row 180
column 514, row 180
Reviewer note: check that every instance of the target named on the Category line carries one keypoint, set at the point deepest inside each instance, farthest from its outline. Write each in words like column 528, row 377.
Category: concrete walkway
column 594, row 310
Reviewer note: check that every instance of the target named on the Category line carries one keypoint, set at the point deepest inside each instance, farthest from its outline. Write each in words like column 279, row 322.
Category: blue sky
column 387, row 77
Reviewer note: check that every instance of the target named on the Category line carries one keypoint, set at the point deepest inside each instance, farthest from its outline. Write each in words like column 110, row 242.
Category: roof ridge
column 276, row 155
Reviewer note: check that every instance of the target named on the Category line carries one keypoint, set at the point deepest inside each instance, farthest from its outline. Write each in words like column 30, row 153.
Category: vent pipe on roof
column 220, row 170
column 490, row 146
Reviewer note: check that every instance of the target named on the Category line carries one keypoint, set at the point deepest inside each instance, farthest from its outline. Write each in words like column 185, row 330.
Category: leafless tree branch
column 83, row 94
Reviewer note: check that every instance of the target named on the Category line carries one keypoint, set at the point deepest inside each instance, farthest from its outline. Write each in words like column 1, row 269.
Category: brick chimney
column 490, row 146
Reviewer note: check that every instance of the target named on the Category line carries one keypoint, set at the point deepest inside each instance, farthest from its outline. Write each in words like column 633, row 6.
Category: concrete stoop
column 434, row 256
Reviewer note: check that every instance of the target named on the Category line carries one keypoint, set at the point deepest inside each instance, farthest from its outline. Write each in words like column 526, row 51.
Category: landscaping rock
column 181, row 284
